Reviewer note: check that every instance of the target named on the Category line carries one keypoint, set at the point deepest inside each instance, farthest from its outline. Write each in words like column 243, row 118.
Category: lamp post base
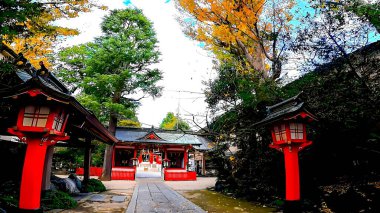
column 29, row 211
column 292, row 206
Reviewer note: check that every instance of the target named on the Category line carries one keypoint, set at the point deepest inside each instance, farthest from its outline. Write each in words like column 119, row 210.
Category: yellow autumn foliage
column 38, row 44
column 230, row 27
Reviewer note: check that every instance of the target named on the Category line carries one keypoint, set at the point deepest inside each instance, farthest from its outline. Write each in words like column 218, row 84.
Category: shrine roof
column 146, row 135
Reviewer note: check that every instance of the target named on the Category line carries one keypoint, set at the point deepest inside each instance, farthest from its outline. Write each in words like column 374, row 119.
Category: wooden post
column 47, row 170
column 185, row 158
column 31, row 180
column 87, row 161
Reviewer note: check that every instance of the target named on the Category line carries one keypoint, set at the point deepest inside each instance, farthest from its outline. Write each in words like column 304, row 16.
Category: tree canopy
column 115, row 69
column 29, row 25
column 252, row 31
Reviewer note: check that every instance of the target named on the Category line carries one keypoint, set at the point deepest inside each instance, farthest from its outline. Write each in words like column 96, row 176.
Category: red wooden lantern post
column 289, row 137
column 288, row 121
column 41, row 123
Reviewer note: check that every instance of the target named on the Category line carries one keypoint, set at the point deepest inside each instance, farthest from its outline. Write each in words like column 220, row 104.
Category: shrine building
column 149, row 152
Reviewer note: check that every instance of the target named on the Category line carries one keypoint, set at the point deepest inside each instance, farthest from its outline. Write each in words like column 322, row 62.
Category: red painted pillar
column 31, row 180
column 185, row 158
column 292, row 176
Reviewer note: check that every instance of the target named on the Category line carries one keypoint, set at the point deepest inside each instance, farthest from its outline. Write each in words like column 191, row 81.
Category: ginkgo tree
column 250, row 30
column 172, row 122
column 28, row 25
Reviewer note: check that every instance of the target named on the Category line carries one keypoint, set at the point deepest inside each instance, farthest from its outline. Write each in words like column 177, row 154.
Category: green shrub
column 95, row 185
column 9, row 194
column 57, row 200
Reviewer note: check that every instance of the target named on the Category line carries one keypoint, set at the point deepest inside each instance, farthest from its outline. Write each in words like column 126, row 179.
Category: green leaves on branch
column 117, row 67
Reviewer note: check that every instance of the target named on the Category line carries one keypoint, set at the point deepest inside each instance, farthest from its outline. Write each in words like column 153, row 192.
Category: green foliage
column 172, row 122
column 69, row 157
column 7, row 74
column 13, row 12
column 9, row 194
column 234, row 87
column 370, row 11
column 242, row 95
column 95, row 185
column 56, row 199
column 115, row 67
column 72, row 158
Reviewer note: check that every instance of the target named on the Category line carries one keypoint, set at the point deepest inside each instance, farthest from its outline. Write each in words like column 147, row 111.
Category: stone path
column 152, row 195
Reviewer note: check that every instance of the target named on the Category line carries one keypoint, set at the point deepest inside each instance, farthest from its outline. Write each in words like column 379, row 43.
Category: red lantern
column 40, row 123
column 288, row 121
column 50, row 120
column 289, row 132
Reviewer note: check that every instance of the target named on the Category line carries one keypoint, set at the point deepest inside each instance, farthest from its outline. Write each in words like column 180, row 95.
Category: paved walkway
column 152, row 195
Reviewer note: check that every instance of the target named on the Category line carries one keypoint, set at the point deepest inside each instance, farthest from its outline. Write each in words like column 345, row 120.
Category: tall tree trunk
column 108, row 153
column 255, row 60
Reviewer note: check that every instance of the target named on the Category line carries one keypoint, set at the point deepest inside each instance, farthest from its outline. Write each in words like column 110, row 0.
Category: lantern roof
column 84, row 123
column 285, row 110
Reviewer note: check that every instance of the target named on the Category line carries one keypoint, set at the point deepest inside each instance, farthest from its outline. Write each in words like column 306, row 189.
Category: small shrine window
column 123, row 157
column 58, row 121
column 296, row 130
column 280, row 132
column 35, row 116
column 176, row 159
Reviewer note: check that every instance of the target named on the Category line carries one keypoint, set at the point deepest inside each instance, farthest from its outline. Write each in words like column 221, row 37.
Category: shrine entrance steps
column 148, row 174
column 153, row 195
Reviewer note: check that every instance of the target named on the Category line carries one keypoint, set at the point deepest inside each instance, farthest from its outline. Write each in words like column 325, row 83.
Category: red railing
column 94, row 171
column 123, row 173
column 179, row 174
column 118, row 173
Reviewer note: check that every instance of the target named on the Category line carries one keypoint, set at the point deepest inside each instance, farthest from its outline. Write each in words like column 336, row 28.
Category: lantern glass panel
column 35, row 116
column 296, row 130
column 280, row 132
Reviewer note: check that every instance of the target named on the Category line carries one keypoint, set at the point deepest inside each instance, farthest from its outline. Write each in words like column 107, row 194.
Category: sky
column 185, row 65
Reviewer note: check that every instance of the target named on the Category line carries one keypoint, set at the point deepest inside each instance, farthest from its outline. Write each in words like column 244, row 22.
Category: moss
column 216, row 202
column 57, row 200
column 95, row 185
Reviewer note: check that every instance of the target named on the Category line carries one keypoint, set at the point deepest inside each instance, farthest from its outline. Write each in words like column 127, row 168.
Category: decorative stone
column 118, row 199
column 97, row 198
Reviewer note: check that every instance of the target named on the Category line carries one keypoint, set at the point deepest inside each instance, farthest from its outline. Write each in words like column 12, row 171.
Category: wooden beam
column 87, row 161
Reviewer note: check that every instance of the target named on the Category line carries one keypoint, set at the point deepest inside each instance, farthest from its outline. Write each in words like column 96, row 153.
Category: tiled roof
column 137, row 135
column 288, row 107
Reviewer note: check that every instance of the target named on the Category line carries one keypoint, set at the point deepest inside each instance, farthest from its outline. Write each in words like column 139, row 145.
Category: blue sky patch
column 190, row 21
column 127, row 2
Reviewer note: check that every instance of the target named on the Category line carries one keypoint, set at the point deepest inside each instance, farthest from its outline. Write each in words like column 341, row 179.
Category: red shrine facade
column 143, row 152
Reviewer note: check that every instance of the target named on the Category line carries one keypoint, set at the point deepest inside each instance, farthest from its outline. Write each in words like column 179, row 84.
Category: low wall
column 179, row 175
column 122, row 173
column 94, row 171
column 118, row 173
